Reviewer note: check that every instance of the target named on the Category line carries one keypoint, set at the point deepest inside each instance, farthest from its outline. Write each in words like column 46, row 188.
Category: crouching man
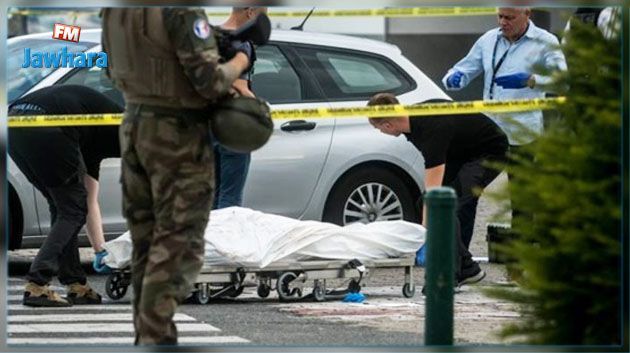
column 455, row 149
column 60, row 161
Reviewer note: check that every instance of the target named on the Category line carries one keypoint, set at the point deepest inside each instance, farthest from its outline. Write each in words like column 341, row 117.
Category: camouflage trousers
column 168, row 186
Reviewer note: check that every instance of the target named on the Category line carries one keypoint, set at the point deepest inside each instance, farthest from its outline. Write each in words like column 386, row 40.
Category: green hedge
column 569, row 255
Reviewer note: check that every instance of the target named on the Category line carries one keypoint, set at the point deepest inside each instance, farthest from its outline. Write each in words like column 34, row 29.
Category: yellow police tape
column 387, row 12
column 384, row 12
column 427, row 109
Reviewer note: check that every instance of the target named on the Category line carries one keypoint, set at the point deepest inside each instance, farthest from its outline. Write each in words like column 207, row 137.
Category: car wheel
column 368, row 195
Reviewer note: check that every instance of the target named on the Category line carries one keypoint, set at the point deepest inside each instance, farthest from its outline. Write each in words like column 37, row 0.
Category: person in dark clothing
column 55, row 160
column 231, row 168
column 455, row 149
column 607, row 19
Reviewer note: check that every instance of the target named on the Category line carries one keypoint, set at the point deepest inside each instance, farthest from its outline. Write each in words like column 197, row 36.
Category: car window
column 354, row 75
column 94, row 78
column 19, row 79
column 274, row 78
column 264, row 65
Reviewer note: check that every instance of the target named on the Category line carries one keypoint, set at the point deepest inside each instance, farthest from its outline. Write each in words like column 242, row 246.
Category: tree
column 569, row 254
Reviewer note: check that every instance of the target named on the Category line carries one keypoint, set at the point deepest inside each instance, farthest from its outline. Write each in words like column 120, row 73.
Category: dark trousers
column 59, row 255
column 520, row 151
column 231, row 170
column 467, row 179
column 464, row 264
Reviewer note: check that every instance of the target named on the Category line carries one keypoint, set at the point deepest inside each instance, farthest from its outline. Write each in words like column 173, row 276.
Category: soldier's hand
column 240, row 62
column 231, row 51
column 234, row 92
column 242, row 88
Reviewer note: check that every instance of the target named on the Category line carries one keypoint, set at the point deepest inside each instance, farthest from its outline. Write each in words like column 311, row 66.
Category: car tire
column 357, row 183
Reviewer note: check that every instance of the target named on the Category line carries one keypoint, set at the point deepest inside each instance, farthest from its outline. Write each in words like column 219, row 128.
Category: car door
column 284, row 173
column 349, row 78
column 376, row 177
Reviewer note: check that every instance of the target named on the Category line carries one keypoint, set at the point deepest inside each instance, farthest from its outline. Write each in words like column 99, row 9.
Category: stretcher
column 288, row 279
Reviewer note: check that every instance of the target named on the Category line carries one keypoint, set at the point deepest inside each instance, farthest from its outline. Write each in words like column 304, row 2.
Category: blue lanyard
column 495, row 68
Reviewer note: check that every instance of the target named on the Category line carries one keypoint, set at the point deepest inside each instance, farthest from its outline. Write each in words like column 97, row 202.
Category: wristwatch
column 531, row 82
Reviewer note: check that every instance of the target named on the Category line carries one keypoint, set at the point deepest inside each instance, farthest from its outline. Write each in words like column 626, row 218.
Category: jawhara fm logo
column 64, row 58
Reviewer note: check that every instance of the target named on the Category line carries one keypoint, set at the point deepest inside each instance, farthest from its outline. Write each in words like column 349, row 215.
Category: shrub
column 569, row 254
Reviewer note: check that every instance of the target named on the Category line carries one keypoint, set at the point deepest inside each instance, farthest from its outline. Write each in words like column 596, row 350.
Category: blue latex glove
column 421, row 256
column 454, row 80
column 513, row 81
column 354, row 298
column 98, row 264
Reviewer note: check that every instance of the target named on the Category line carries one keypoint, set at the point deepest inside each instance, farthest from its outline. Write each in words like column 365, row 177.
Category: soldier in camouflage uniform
column 166, row 62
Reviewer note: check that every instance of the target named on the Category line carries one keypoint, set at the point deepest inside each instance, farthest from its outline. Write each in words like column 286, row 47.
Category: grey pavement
column 386, row 318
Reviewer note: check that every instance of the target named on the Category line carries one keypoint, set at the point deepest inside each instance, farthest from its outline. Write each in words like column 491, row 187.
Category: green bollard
column 438, row 328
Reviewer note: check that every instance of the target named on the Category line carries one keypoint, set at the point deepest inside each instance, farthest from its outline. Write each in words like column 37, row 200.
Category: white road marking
column 100, row 328
column 202, row 340
column 84, row 317
column 76, row 308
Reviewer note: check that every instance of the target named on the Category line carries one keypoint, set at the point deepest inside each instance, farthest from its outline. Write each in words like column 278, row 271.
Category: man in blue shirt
column 507, row 56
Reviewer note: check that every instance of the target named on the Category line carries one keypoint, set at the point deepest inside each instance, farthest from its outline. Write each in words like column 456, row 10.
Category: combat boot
column 82, row 294
column 36, row 295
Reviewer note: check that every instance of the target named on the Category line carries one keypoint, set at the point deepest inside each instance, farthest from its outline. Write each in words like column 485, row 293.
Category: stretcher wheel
column 202, row 294
column 263, row 290
column 284, row 290
column 116, row 286
column 319, row 292
column 408, row 290
column 354, row 286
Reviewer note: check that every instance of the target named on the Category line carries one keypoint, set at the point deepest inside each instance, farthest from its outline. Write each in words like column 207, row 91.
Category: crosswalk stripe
column 100, row 328
column 20, row 289
column 73, row 308
column 93, row 322
column 84, row 317
column 18, row 299
column 104, row 298
column 203, row 340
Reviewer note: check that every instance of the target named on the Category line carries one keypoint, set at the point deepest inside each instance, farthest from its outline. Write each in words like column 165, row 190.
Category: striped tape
column 389, row 12
column 426, row 109
column 377, row 111
column 384, row 12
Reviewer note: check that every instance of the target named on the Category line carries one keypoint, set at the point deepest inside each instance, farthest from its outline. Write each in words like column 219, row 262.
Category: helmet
column 241, row 124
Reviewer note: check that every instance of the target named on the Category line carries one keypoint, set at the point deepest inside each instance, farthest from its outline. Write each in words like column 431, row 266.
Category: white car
column 339, row 170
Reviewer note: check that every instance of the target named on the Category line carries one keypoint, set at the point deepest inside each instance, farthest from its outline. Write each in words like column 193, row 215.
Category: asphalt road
column 385, row 319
